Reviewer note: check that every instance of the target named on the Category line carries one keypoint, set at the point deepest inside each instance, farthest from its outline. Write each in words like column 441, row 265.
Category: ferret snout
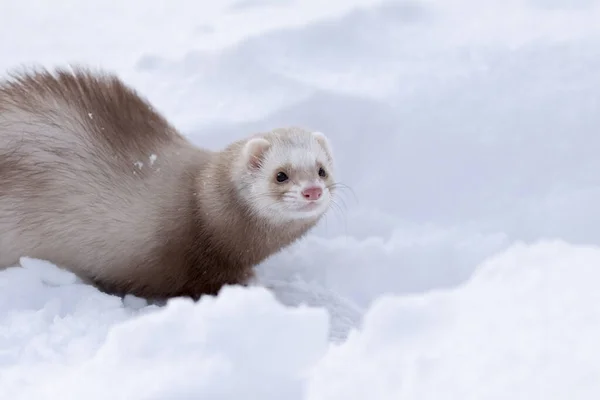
column 312, row 193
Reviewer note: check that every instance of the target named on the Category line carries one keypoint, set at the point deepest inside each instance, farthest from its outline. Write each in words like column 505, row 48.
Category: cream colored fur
column 94, row 180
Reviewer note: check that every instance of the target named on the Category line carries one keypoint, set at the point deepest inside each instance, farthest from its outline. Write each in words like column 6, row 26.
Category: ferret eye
column 281, row 177
column 322, row 173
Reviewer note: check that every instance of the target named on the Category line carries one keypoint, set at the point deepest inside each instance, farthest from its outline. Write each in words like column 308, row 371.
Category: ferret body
column 97, row 182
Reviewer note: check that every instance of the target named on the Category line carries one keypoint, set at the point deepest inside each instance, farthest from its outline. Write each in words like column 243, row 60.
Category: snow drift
column 524, row 326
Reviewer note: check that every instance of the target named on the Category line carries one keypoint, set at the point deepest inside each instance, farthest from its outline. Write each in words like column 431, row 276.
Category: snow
column 524, row 326
column 460, row 261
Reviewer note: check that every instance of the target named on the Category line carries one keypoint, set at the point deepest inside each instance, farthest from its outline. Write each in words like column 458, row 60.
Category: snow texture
column 463, row 260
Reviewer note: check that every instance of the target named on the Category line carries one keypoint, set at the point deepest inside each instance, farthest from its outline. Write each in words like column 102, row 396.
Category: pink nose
column 312, row 193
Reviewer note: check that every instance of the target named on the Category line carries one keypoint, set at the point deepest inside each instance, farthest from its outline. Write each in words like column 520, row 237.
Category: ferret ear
column 324, row 142
column 254, row 151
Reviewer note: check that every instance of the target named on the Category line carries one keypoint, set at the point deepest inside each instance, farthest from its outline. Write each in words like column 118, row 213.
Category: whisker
column 341, row 215
column 335, row 209
column 340, row 185
column 342, row 201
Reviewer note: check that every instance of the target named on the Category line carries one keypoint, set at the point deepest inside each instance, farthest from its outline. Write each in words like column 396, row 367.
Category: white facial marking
column 299, row 154
column 302, row 159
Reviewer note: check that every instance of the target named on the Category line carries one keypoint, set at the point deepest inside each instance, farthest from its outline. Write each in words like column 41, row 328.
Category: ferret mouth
column 307, row 209
column 310, row 206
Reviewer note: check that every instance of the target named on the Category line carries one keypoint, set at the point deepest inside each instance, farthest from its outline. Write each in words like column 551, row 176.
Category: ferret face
column 291, row 175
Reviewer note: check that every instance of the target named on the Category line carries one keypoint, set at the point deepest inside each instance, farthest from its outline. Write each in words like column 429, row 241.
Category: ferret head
column 286, row 175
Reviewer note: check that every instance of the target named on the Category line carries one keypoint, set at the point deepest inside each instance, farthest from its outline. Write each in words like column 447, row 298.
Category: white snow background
column 463, row 264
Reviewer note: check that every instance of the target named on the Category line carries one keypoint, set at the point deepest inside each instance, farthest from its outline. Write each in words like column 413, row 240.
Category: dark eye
column 281, row 177
column 322, row 173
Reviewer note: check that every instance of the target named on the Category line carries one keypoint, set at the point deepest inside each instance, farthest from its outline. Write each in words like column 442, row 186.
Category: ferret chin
column 93, row 179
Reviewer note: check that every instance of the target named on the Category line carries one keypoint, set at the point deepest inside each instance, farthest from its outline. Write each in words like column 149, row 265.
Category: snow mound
column 85, row 344
column 524, row 326
column 344, row 314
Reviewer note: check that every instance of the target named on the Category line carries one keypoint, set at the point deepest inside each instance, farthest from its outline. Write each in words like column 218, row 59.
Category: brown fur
column 72, row 191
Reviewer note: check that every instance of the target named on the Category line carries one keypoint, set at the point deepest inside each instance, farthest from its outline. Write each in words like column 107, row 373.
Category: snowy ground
column 464, row 262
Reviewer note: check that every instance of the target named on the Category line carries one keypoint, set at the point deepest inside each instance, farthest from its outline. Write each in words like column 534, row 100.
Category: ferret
column 96, row 181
